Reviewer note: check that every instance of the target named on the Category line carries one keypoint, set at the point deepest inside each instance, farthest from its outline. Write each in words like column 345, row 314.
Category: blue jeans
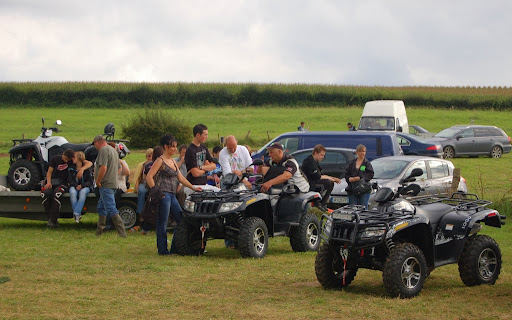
column 141, row 197
column 168, row 203
column 78, row 204
column 361, row 199
column 107, row 202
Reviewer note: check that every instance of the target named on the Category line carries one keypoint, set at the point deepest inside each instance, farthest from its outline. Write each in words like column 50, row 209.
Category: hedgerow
column 112, row 95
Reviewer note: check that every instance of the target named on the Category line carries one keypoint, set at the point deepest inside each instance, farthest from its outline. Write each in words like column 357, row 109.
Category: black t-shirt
column 194, row 158
column 311, row 169
column 60, row 169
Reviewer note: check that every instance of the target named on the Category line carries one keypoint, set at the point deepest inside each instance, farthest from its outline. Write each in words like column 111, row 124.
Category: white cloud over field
column 439, row 43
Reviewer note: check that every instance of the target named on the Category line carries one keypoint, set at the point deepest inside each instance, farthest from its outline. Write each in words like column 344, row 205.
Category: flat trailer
column 27, row 205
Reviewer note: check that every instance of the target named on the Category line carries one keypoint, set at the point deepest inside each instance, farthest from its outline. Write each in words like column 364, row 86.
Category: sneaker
column 78, row 218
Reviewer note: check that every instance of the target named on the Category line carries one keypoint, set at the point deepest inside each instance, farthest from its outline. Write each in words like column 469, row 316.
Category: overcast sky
column 356, row 42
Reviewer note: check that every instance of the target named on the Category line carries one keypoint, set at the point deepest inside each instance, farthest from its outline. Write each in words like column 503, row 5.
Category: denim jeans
column 78, row 199
column 141, row 197
column 107, row 203
column 361, row 199
column 168, row 204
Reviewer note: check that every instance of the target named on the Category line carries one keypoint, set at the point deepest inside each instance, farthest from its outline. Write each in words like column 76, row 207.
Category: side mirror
column 416, row 172
column 399, row 129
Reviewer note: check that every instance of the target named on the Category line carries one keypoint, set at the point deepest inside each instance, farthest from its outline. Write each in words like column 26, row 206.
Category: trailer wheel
column 24, row 175
column 127, row 212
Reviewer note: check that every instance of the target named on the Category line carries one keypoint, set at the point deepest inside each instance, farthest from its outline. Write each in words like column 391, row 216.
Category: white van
column 384, row 115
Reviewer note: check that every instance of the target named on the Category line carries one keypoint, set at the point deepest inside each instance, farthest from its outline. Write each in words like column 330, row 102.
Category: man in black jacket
column 317, row 180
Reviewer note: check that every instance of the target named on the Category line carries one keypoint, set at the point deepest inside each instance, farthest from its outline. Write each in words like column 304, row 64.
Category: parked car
column 378, row 144
column 436, row 178
column 420, row 132
column 413, row 145
column 335, row 161
column 473, row 140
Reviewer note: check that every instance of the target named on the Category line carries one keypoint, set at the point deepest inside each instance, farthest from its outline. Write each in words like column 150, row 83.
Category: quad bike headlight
column 230, row 206
column 189, row 206
column 373, row 232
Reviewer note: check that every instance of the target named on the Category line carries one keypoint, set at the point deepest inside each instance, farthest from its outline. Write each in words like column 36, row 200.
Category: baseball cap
column 275, row 145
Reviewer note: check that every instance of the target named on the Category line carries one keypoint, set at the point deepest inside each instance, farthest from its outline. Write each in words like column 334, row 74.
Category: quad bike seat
column 434, row 212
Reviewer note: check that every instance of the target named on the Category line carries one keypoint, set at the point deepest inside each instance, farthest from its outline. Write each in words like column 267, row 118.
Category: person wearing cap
column 105, row 175
column 280, row 169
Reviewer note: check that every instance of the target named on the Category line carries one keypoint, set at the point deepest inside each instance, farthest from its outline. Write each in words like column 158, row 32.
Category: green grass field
column 69, row 273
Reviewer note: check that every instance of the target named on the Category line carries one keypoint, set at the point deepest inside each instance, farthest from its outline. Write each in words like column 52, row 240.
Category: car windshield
column 447, row 133
column 377, row 123
column 388, row 169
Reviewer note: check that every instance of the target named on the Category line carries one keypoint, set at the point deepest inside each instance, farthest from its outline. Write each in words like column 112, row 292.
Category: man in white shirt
column 235, row 159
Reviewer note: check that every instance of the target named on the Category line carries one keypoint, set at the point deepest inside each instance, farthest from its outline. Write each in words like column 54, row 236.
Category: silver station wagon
column 473, row 140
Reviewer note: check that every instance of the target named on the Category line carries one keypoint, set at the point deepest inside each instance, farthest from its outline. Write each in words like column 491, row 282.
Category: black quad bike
column 407, row 239
column 29, row 158
column 248, row 218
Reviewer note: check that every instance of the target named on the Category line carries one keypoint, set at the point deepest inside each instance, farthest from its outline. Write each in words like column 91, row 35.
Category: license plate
column 339, row 199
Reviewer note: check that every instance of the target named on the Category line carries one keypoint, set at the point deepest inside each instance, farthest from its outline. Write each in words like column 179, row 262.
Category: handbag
column 361, row 186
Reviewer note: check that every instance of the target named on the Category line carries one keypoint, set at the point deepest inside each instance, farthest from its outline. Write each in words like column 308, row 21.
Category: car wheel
column 128, row 213
column 404, row 271
column 449, row 152
column 480, row 261
column 253, row 238
column 306, row 237
column 330, row 268
column 496, row 152
column 188, row 239
column 24, row 175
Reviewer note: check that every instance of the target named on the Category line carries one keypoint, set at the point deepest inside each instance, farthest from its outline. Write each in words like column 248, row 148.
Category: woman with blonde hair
column 359, row 172
column 79, row 187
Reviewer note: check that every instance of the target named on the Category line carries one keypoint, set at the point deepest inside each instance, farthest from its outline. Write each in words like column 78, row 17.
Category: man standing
column 317, row 180
column 198, row 160
column 280, row 168
column 105, row 175
column 301, row 127
column 235, row 159
column 351, row 127
column 56, row 185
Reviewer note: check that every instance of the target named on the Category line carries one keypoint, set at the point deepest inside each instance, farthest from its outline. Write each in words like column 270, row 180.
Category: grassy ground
column 71, row 274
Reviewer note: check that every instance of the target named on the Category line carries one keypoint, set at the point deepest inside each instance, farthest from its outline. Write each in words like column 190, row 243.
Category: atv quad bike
column 248, row 218
column 29, row 158
column 407, row 239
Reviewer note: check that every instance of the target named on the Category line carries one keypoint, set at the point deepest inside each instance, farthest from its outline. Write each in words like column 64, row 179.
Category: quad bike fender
column 27, row 150
column 407, row 225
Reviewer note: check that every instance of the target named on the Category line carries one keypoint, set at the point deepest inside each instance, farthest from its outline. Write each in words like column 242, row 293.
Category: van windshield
column 290, row 144
column 377, row 123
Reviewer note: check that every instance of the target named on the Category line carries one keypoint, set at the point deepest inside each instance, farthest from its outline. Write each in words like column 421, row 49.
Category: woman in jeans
column 165, row 175
column 357, row 169
column 79, row 188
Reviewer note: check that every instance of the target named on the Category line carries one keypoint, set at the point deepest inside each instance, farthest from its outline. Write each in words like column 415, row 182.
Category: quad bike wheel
column 24, row 175
column 189, row 240
column 306, row 237
column 329, row 267
column 480, row 261
column 253, row 238
column 404, row 271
